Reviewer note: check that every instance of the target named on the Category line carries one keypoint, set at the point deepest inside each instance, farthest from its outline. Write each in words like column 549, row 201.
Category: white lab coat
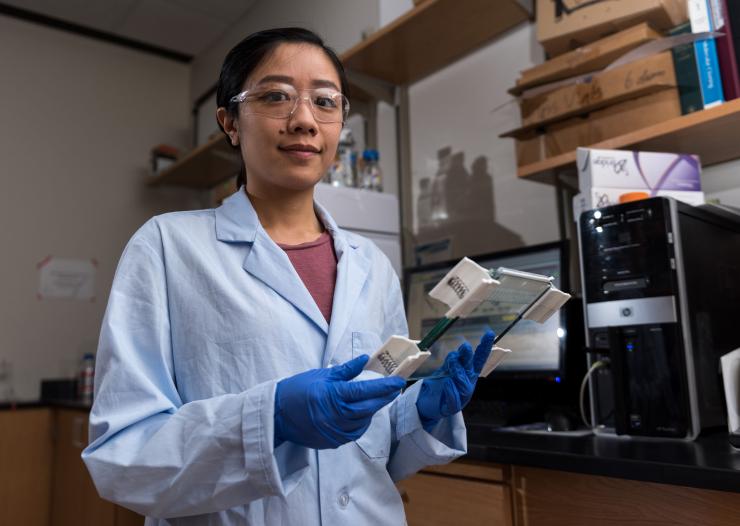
column 205, row 316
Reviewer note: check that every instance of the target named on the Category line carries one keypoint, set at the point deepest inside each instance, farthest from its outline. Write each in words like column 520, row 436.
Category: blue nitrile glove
column 445, row 396
column 322, row 409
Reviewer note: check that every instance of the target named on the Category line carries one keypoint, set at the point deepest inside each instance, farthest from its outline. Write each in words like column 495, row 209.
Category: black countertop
column 36, row 404
column 710, row 462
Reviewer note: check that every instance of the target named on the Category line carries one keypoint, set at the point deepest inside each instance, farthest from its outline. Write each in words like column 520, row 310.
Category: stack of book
column 635, row 77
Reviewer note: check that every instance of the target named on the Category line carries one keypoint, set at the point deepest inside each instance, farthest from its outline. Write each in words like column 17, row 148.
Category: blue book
column 707, row 62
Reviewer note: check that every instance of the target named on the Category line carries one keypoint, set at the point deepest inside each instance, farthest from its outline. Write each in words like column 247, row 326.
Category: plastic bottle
column 355, row 174
column 335, row 173
column 87, row 378
column 341, row 172
column 346, row 175
column 371, row 177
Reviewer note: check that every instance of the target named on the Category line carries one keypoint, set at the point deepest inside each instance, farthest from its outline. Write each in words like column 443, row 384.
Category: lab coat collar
column 237, row 221
column 352, row 271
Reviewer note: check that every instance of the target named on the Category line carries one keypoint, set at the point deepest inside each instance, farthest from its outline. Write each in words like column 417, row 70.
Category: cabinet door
column 431, row 500
column 75, row 501
column 555, row 498
column 126, row 517
column 25, row 457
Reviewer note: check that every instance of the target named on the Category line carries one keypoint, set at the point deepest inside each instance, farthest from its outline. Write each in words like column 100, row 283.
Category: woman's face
column 294, row 152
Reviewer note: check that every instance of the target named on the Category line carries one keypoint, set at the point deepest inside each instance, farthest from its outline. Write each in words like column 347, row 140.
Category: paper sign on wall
column 66, row 278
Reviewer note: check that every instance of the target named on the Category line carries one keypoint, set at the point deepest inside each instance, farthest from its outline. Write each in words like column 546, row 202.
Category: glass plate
column 517, row 292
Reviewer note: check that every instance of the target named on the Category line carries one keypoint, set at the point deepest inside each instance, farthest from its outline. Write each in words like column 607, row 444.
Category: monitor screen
column 537, row 349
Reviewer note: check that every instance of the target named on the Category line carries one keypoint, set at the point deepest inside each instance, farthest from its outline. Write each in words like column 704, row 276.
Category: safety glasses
column 279, row 101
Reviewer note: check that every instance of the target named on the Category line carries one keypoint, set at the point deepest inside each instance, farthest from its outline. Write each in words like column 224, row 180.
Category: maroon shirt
column 316, row 264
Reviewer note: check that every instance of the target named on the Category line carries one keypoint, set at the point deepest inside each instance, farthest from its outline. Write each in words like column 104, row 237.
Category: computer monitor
column 546, row 365
column 538, row 349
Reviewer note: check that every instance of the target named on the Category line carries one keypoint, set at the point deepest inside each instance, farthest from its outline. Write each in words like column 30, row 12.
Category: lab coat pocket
column 376, row 442
column 365, row 342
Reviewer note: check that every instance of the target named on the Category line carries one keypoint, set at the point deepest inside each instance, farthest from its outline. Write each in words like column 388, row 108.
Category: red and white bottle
column 87, row 378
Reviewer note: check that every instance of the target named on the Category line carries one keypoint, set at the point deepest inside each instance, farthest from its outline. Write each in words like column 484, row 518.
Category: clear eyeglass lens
column 327, row 105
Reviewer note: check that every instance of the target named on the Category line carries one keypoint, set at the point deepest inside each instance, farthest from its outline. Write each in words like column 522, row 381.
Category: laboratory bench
column 710, row 462
column 560, row 479
column 507, row 478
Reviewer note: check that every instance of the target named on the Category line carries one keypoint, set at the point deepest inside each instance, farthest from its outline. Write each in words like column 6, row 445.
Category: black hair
column 244, row 58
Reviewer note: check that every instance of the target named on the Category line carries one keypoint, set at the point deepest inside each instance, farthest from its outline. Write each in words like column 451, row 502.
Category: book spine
column 687, row 74
column 706, row 54
column 726, row 47
column 732, row 10
column 732, row 29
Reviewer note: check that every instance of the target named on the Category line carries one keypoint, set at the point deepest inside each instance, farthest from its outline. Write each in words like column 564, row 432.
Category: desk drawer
column 432, row 500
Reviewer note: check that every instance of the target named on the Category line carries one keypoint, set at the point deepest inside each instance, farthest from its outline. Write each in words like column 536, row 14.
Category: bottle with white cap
column 87, row 378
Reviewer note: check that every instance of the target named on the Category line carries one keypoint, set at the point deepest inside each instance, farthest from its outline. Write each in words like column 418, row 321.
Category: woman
column 229, row 385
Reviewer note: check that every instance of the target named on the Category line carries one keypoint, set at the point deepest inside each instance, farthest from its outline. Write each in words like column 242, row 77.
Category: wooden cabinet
column 25, row 457
column 554, row 498
column 74, row 498
column 468, row 493
column 461, row 494
column 126, row 517
column 75, row 501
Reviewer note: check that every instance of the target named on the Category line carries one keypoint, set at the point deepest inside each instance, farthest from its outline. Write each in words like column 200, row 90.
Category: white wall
column 722, row 182
column 389, row 10
column 77, row 120
column 339, row 22
column 465, row 107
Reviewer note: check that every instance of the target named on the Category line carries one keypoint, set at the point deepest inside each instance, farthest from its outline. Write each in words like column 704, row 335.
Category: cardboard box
column 563, row 25
column 608, row 177
column 621, row 118
column 641, row 77
column 586, row 59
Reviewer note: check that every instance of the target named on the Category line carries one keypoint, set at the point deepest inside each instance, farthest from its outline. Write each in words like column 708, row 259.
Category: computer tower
column 661, row 288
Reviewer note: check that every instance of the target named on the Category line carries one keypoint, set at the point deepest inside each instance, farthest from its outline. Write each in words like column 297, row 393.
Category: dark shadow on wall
column 455, row 212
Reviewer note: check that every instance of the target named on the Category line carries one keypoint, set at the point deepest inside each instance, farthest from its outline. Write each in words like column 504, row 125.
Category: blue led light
column 630, row 347
column 557, row 379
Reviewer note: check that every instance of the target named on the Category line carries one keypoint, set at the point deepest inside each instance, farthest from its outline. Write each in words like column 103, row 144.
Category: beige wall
column 77, row 120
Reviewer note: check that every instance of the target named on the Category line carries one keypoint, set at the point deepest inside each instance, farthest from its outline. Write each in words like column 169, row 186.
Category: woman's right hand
column 322, row 408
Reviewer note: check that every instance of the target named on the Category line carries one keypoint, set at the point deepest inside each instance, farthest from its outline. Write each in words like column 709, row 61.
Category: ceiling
column 185, row 26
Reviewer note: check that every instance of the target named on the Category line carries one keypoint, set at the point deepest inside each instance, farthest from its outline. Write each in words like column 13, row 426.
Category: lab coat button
column 343, row 500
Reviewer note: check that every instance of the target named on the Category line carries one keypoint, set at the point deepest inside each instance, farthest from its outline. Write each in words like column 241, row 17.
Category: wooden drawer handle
column 78, row 429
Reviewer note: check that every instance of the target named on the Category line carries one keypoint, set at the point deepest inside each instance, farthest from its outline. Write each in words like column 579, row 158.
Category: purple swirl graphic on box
column 663, row 172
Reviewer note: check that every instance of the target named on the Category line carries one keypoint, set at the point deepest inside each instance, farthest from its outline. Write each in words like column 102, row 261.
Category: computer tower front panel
column 650, row 389
column 633, row 318
column 661, row 282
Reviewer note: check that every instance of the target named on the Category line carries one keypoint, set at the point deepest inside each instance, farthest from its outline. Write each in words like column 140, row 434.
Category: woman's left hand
column 445, row 396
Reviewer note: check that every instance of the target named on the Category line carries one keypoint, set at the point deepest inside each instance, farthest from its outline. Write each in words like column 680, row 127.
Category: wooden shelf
column 205, row 167
column 431, row 36
column 711, row 134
